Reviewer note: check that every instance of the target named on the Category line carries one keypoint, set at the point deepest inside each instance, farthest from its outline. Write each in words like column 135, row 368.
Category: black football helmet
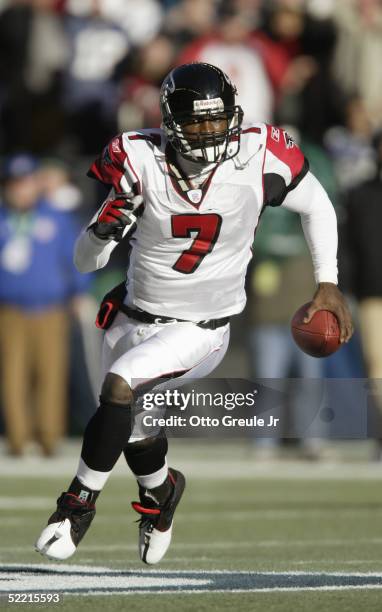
column 194, row 93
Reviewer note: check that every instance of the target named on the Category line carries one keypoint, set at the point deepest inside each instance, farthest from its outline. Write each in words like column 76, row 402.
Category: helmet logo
column 205, row 105
column 169, row 85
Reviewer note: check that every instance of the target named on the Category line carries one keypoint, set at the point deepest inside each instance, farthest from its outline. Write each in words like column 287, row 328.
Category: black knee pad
column 115, row 390
column 146, row 456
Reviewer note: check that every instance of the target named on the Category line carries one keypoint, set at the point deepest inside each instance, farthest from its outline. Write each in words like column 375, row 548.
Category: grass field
column 283, row 536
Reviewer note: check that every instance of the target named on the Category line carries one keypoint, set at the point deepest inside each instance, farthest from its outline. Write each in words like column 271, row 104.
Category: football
column 320, row 337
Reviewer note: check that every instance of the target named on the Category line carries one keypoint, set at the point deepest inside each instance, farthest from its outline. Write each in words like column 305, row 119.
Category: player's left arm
column 319, row 223
column 287, row 182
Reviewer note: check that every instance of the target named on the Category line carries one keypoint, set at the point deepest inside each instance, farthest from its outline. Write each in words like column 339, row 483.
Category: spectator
column 37, row 284
column 279, row 40
column 350, row 146
column 140, row 91
column 357, row 62
column 297, row 50
column 191, row 19
column 33, row 52
column 230, row 48
column 363, row 233
column 101, row 34
column 56, row 185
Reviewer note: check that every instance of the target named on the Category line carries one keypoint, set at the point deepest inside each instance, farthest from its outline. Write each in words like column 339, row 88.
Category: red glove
column 116, row 215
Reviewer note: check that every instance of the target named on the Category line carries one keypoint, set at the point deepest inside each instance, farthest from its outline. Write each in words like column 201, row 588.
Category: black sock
column 106, row 435
column 84, row 493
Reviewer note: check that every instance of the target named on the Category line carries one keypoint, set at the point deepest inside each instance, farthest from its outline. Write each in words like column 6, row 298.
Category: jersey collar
column 181, row 181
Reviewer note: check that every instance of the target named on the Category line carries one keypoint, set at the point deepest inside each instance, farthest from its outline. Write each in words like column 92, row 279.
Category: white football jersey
column 190, row 251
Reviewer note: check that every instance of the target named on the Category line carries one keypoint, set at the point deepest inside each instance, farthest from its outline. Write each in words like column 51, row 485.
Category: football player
column 187, row 198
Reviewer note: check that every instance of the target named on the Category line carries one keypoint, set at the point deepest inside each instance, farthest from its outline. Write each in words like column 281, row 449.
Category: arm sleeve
column 76, row 283
column 92, row 253
column 319, row 223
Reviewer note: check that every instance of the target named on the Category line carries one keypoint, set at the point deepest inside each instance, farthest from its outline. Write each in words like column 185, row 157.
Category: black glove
column 110, row 306
column 116, row 215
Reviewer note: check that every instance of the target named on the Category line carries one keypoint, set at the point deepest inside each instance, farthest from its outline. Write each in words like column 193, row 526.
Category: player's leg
column 105, row 437
column 160, row 488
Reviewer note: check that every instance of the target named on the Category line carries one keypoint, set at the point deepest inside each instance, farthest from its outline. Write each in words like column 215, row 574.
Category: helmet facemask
column 218, row 144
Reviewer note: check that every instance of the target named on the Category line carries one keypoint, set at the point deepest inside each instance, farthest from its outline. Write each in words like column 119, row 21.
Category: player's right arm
column 117, row 217
column 91, row 253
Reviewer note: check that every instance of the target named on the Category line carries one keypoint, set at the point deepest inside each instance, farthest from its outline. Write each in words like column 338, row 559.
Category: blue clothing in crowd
column 36, row 258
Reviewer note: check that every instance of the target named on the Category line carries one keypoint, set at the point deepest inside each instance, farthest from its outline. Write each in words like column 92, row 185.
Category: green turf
column 260, row 525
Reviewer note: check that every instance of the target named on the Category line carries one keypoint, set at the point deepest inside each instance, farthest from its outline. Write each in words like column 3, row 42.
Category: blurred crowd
column 73, row 73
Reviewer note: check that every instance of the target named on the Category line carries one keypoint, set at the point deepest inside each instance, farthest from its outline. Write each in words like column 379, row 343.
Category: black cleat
column 66, row 527
column 155, row 525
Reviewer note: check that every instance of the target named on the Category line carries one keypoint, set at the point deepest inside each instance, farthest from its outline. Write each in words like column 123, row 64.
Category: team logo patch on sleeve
column 289, row 142
column 275, row 134
column 106, row 159
column 115, row 146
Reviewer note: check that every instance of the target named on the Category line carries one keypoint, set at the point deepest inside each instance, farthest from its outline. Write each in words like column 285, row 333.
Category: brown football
column 320, row 337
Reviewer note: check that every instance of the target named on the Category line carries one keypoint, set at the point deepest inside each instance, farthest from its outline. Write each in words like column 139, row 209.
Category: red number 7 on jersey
column 207, row 228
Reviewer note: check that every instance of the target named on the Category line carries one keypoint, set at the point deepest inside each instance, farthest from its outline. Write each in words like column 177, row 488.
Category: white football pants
column 142, row 352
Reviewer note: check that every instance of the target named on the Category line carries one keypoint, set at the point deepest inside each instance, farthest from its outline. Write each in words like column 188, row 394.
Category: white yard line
column 85, row 580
